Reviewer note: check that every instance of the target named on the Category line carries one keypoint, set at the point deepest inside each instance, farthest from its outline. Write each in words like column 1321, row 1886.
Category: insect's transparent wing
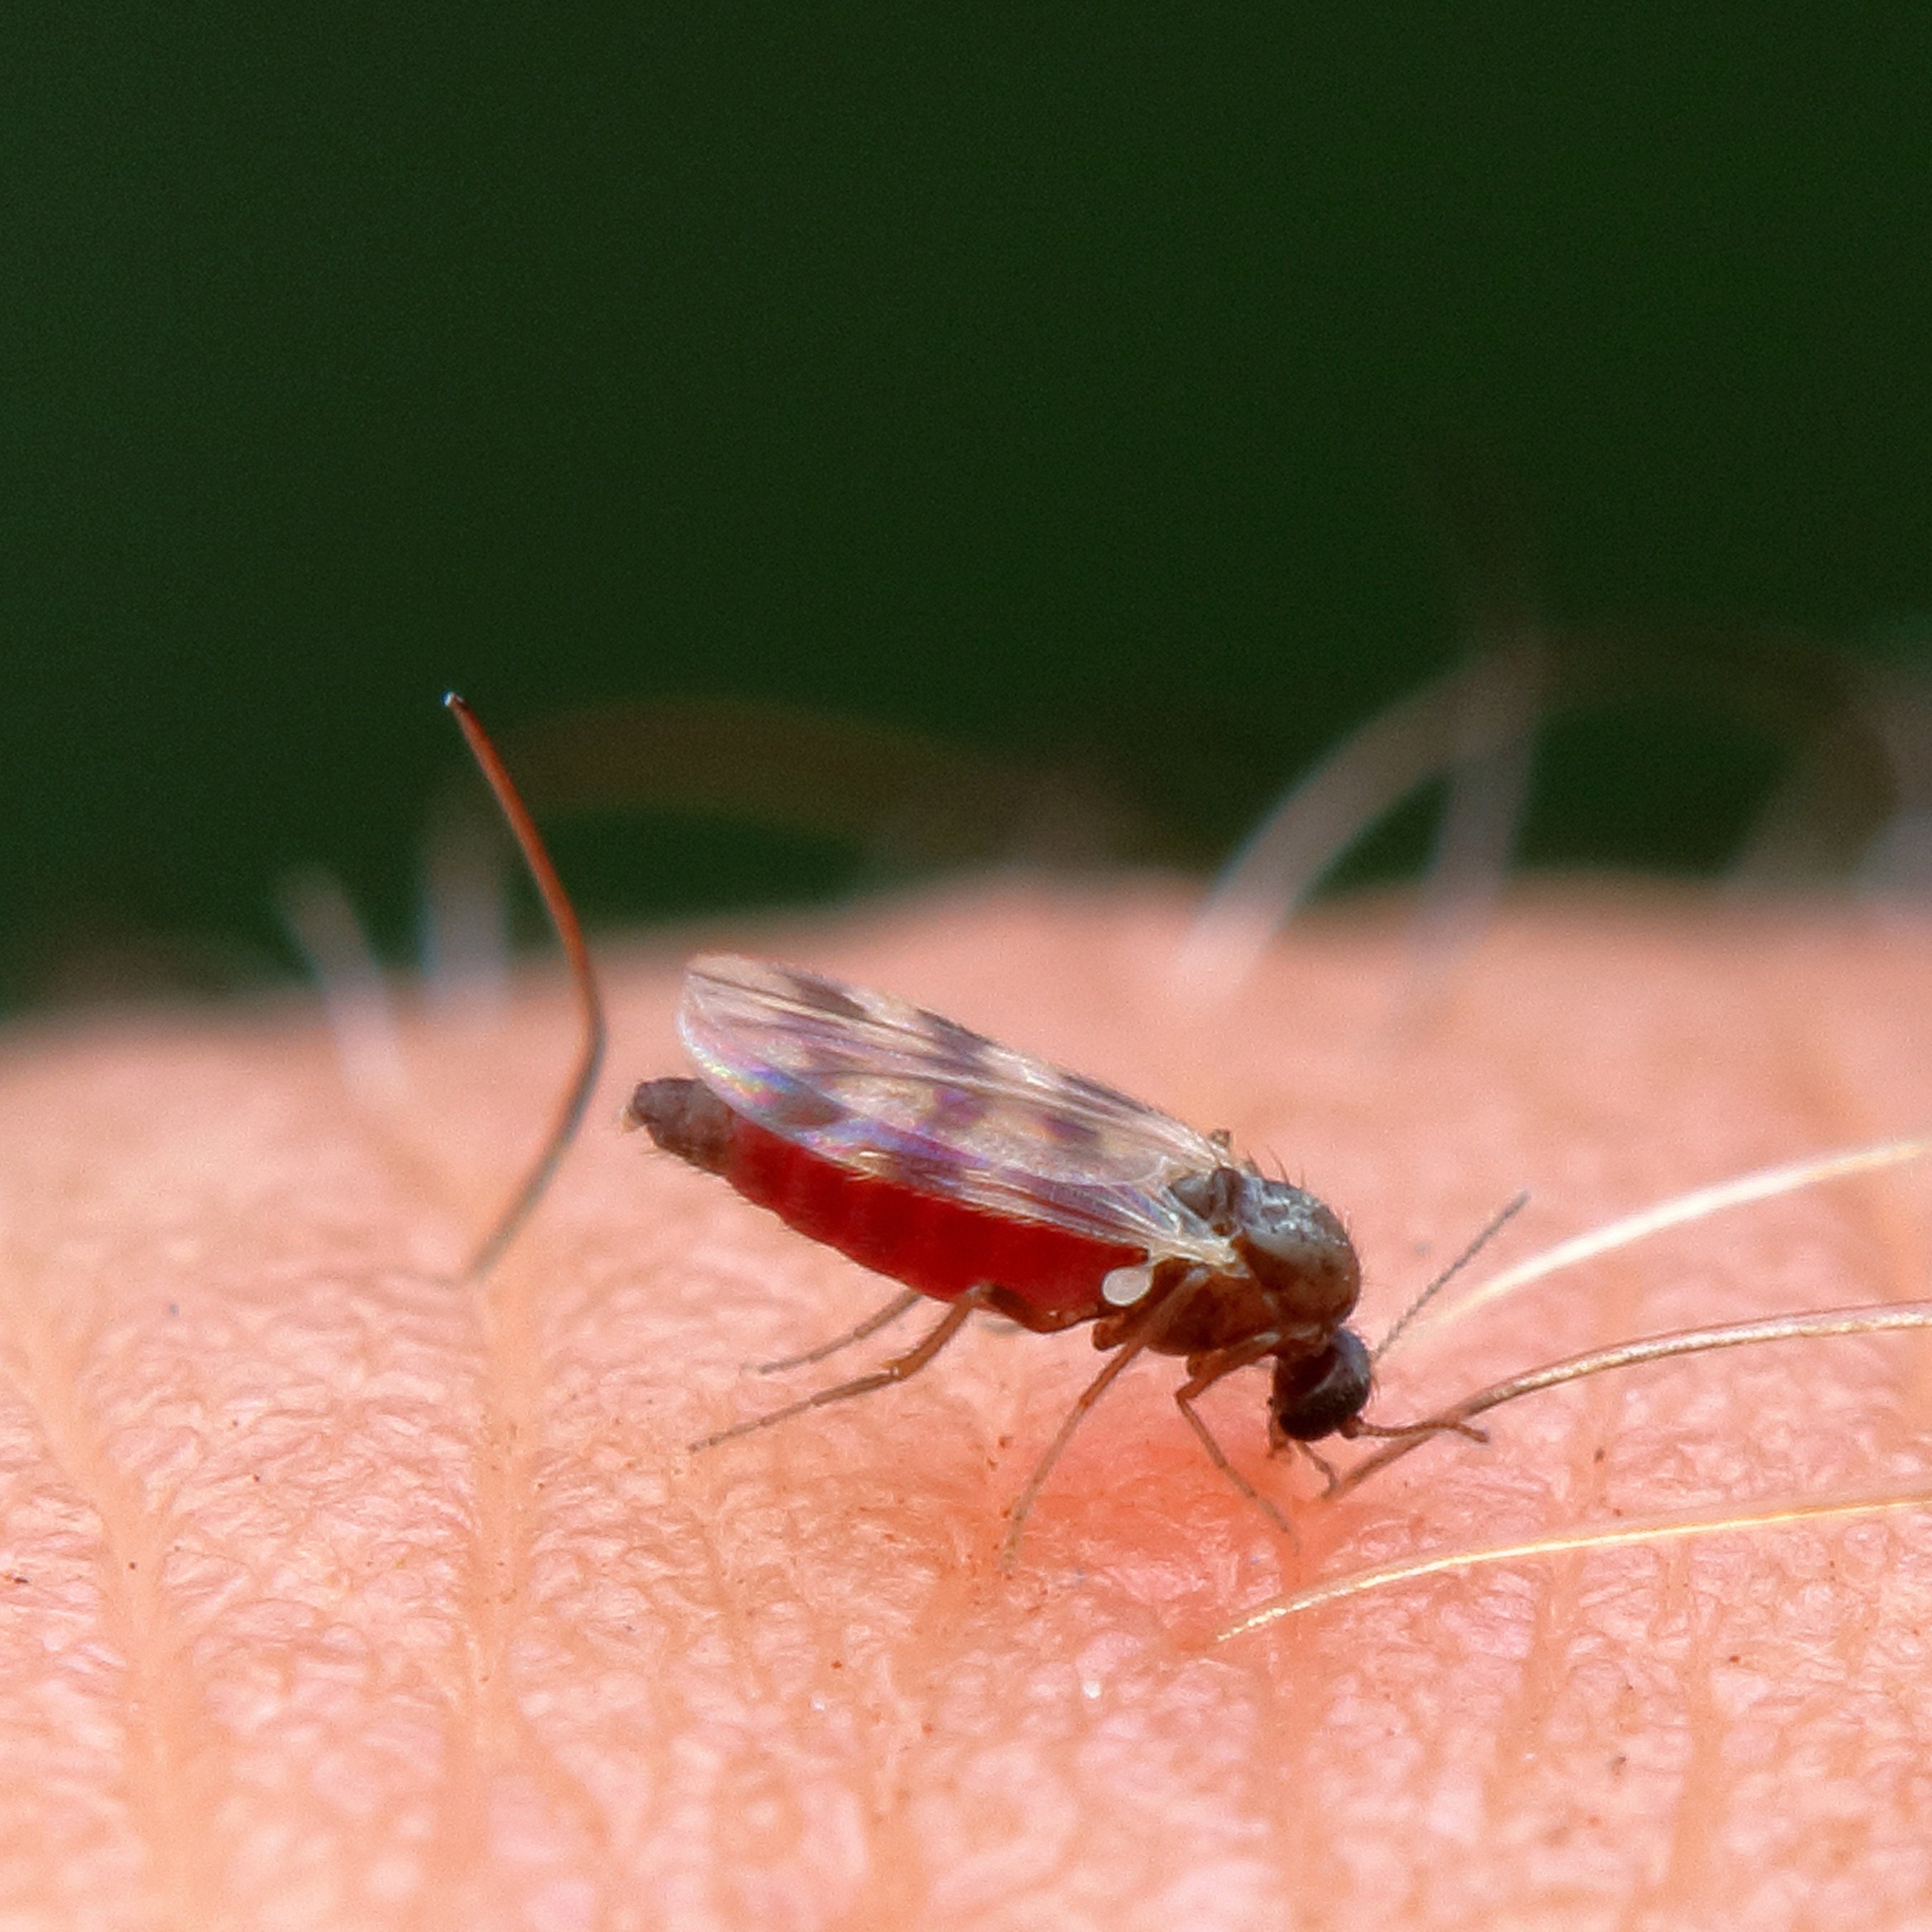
column 887, row 1088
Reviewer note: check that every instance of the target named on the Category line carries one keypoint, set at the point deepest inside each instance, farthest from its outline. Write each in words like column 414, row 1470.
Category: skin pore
column 336, row 1593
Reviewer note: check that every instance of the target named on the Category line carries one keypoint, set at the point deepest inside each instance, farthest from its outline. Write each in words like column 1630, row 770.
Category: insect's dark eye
column 1312, row 1397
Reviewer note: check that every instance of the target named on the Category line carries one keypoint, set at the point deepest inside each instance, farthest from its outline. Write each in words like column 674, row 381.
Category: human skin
column 338, row 1592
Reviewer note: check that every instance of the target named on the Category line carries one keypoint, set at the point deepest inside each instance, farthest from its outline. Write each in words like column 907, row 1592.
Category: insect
column 987, row 1180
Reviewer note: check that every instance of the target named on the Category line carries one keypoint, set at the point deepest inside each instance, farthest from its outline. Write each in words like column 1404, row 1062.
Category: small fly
column 979, row 1177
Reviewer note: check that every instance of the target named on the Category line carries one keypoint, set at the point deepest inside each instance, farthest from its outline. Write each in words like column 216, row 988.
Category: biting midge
column 979, row 1177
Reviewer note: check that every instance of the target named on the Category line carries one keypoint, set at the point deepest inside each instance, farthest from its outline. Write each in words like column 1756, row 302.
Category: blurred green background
column 1140, row 397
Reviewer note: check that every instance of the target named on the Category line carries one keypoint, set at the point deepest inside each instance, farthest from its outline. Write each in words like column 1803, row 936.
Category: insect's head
column 1314, row 1395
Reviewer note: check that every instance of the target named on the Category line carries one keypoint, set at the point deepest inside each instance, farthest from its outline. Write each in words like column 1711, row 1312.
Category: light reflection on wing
column 884, row 1087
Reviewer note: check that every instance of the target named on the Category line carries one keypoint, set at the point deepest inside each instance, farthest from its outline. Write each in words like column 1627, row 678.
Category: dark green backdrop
column 1137, row 395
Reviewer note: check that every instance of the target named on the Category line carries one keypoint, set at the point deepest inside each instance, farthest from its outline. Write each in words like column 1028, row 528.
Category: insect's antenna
column 1881, row 1317
column 529, row 1191
column 1448, row 1275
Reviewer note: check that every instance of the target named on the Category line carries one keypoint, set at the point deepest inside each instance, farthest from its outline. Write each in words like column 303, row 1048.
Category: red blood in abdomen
column 936, row 1247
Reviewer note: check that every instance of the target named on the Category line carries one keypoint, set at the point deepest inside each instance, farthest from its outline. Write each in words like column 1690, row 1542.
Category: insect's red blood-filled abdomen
column 938, row 1246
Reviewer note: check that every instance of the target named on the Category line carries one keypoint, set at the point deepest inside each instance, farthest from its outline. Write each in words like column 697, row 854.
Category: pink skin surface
column 335, row 1593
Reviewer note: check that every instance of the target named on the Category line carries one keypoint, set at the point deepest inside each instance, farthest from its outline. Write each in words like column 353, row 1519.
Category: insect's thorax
column 1296, row 1275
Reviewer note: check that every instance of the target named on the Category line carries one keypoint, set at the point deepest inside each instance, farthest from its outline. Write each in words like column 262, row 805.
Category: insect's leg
column 1022, row 1503
column 1331, row 1479
column 1224, row 1363
column 880, row 1318
column 1148, row 1323
column 914, row 1359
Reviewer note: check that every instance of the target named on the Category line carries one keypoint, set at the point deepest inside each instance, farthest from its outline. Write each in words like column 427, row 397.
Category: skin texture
column 337, row 1593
